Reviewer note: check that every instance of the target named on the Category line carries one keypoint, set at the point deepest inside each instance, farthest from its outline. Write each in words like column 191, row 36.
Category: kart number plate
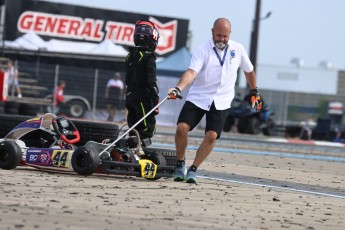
column 148, row 168
column 60, row 158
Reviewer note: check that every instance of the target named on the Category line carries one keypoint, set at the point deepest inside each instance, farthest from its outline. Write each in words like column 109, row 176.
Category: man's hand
column 174, row 93
column 256, row 99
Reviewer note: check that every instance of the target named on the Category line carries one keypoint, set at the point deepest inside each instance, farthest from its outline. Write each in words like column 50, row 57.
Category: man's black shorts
column 192, row 114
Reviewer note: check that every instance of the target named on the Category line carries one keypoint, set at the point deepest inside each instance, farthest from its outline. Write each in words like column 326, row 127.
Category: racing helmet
column 146, row 33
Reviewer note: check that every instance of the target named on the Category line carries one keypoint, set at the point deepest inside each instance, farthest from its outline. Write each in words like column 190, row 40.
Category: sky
column 310, row 30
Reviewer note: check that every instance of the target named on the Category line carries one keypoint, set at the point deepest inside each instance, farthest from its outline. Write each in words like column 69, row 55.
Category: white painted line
column 331, row 144
column 278, row 140
column 272, row 186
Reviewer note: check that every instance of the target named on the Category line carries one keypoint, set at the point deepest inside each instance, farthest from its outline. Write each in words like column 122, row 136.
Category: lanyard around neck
column 221, row 61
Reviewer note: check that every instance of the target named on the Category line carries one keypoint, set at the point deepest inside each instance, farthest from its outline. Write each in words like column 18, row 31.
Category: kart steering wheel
column 66, row 130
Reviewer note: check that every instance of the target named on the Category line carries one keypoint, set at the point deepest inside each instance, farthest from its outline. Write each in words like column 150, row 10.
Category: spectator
column 114, row 94
column 59, row 100
column 13, row 84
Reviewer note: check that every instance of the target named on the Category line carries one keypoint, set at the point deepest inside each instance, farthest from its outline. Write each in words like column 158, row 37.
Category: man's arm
column 255, row 97
column 186, row 79
column 251, row 79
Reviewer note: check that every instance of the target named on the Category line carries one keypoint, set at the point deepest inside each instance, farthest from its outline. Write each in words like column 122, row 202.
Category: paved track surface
column 236, row 190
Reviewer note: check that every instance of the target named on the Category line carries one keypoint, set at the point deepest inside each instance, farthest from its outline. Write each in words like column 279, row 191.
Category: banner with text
column 88, row 25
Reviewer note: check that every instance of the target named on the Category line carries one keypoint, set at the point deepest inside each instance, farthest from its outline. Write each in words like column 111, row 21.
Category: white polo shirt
column 214, row 81
column 115, row 83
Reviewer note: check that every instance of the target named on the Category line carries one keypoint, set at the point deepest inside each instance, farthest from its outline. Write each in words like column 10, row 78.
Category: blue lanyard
column 223, row 59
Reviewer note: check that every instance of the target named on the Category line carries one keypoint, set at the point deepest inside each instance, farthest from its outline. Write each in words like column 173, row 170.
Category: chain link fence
column 39, row 80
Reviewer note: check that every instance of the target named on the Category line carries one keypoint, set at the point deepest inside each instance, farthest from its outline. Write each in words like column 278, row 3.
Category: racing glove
column 256, row 99
column 174, row 93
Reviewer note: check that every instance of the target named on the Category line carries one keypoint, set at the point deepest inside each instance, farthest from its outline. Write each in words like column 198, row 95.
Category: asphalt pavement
column 165, row 135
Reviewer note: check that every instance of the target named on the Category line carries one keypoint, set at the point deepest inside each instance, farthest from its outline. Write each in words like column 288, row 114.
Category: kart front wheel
column 10, row 155
column 85, row 161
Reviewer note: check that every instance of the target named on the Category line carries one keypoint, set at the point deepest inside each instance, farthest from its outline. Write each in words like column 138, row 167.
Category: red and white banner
column 52, row 20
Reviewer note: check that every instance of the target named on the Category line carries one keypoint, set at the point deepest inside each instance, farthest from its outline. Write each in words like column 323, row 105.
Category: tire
column 250, row 125
column 254, row 125
column 269, row 129
column 11, row 107
column 8, row 122
column 28, row 109
column 229, row 122
column 95, row 131
column 10, row 155
column 76, row 109
column 32, row 139
column 2, row 107
column 242, row 125
column 85, row 161
column 156, row 158
column 88, row 130
column 170, row 155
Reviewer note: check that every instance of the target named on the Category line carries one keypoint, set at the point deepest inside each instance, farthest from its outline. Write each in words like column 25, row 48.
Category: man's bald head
column 221, row 32
column 222, row 22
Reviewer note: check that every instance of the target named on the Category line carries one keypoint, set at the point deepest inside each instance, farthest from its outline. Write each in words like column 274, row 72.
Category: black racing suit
column 142, row 90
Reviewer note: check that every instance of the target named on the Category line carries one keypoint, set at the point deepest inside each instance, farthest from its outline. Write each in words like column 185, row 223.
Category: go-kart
column 123, row 155
column 249, row 120
column 59, row 152
column 56, row 154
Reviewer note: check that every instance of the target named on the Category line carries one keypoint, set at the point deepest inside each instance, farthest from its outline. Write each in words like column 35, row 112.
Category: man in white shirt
column 213, row 72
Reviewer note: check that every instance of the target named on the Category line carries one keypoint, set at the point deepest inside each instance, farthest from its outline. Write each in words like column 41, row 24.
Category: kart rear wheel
column 10, row 155
column 85, row 161
column 156, row 158
column 170, row 155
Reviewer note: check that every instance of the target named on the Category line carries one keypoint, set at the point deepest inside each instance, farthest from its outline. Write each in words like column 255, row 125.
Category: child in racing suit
column 142, row 90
